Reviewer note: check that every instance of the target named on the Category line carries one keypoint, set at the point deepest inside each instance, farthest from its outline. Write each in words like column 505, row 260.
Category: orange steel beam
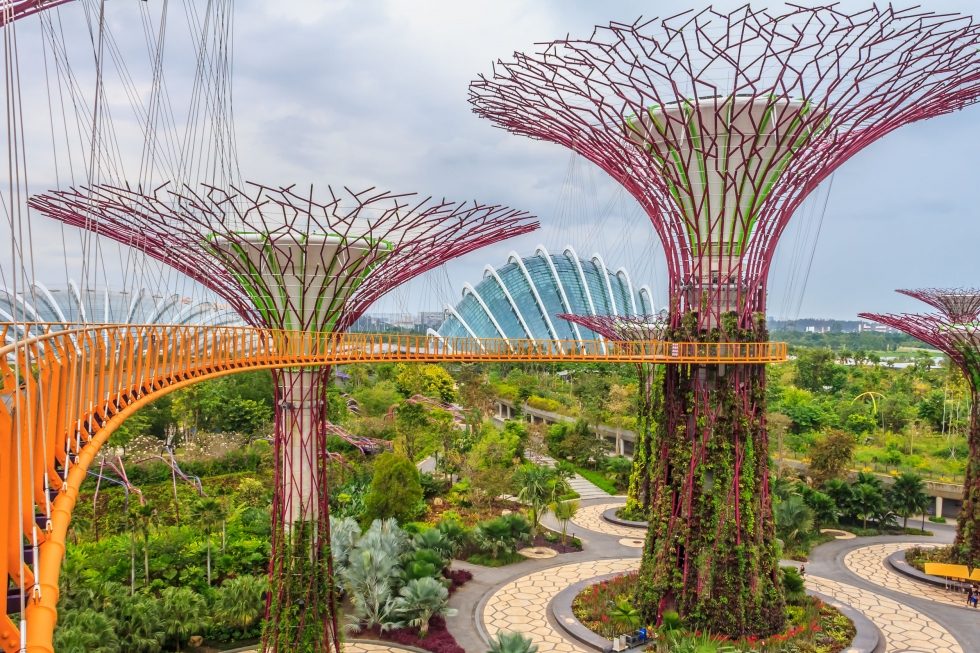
column 66, row 388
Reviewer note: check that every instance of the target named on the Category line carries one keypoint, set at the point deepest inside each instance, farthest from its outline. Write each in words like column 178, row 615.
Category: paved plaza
column 911, row 617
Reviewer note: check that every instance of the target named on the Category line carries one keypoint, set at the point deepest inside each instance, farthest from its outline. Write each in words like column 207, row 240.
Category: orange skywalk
column 65, row 388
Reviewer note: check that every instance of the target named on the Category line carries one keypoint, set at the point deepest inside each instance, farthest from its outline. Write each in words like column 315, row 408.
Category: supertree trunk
column 301, row 610
column 711, row 552
column 638, row 494
column 967, row 542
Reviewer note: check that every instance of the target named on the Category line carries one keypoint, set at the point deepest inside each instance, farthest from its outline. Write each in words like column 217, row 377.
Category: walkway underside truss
column 65, row 391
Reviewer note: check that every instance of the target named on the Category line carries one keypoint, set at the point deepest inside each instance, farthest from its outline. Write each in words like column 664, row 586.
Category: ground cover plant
column 606, row 608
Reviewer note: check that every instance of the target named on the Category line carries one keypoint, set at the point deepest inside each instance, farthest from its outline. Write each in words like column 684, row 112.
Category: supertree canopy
column 720, row 125
column 285, row 261
column 955, row 331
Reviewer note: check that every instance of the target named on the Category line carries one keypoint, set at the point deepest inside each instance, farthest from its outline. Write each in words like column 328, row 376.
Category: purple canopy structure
column 720, row 125
column 955, row 331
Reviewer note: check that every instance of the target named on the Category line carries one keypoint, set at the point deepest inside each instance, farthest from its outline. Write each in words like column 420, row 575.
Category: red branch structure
column 12, row 10
column 956, row 333
column 720, row 125
column 286, row 261
column 625, row 328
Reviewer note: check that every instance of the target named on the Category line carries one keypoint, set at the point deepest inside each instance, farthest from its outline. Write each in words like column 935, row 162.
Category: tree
column 594, row 394
column 425, row 379
column 778, row 424
column 253, row 493
column 142, row 516
column 794, row 520
column 375, row 401
column 537, row 487
column 239, row 601
column 420, row 600
column 907, row 497
column 140, row 629
column 824, row 508
column 136, row 425
column 867, row 501
column 184, row 613
column 620, row 403
column 246, row 415
column 839, row 490
column 831, row 454
column 395, row 489
column 474, row 390
column 564, row 512
column 207, row 513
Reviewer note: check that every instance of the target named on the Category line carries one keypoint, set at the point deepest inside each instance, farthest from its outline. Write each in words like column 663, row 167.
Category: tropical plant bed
column 502, row 559
column 552, row 540
column 605, row 608
column 468, row 515
column 632, row 513
column 918, row 557
column 888, row 530
column 437, row 640
column 800, row 553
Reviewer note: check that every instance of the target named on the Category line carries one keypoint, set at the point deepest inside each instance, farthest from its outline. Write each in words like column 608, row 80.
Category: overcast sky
column 368, row 93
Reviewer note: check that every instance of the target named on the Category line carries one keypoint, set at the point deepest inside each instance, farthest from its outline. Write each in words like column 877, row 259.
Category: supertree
column 634, row 328
column 285, row 261
column 955, row 331
column 720, row 125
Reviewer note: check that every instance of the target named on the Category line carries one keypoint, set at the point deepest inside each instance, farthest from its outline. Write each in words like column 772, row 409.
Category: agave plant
column 420, row 600
column 508, row 642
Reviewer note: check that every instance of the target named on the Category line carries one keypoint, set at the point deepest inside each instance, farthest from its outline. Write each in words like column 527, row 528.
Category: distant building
column 521, row 299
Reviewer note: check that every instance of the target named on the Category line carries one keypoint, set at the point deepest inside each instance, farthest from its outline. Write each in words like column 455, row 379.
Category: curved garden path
column 590, row 518
column 869, row 563
column 522, row 604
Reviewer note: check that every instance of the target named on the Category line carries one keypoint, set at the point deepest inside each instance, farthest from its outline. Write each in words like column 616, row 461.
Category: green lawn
column 597, row 479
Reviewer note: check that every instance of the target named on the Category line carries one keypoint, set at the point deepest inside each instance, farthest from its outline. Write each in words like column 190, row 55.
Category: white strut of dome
column 605, row 275
column 469, row 289
column 514, row 258
column 488, row 269
column 629, row 285
column 721, row 157
column 539, row 250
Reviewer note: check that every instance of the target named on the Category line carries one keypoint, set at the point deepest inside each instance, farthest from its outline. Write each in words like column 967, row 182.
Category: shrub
column 420, row 600
column 507, row 642
column 395, row 489
column 794, row 586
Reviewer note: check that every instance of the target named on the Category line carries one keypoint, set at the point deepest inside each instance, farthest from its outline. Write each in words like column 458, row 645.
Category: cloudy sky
column 369, row 93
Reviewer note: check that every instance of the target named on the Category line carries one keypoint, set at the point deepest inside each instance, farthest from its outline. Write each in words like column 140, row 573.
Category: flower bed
column 812, row 627
column 437, row 640
column 918, row 557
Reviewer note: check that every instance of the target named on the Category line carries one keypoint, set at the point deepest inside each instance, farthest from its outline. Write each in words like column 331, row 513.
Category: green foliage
column 511, row 642
column 907, row 496
column 625, row 615
column 793, row 585
column 246, row 415
column 420, row 600
column 239, row 601
column 423, row 379
column 395, row 489
column 501, row 534
column 564, row 511
column 831, row 455
column 794, row 520
column 376, row 400
column 537, row 488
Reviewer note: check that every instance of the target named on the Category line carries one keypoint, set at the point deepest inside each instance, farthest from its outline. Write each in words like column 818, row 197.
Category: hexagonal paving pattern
column 869, row 563
column 904, row 627
column 590, row 517
column 522, row 605
column 366, row 647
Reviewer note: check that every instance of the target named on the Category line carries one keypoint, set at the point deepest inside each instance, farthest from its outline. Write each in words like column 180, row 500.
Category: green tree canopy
column 395, row 490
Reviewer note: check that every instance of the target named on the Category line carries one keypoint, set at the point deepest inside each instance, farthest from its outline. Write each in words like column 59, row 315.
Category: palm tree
column 506, row 642
column 142, row 516
column 794, row 520
column 867, row 500
column 140, row 629
column 625, row 616
column 564, row 512
column 493, row 537
column 239, row 601
column 208, row 513
column 366, row 579
column 420, row 600
column 824, row 508
column 840, row 492
column 907, row 497
column 183, row 613
column 537, row 488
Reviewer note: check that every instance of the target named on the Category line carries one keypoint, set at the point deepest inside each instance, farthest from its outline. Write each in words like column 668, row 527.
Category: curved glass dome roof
column 521, row 299
column 110, row 307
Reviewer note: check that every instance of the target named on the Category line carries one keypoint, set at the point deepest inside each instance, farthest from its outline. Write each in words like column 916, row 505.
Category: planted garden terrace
column 607, row 609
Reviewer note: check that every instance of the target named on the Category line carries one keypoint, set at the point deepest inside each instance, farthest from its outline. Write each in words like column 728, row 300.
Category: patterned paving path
column 366, row 647
column 522, row 605
column 904, row 627
column 868, row 562
column 590, row 517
